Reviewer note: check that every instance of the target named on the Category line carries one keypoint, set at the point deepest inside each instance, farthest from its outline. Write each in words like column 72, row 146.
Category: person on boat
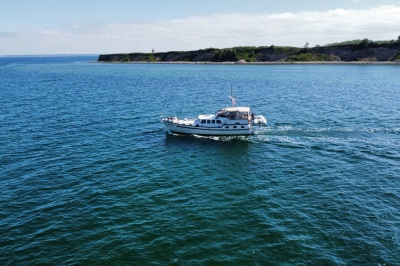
column 252, row 116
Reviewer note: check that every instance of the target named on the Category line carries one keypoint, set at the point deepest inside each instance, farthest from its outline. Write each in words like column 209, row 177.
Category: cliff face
column 346, row 53
column 363, row 54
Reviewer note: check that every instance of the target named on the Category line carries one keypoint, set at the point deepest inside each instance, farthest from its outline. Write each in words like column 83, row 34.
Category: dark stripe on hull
column 212, row 135
column 224, row 133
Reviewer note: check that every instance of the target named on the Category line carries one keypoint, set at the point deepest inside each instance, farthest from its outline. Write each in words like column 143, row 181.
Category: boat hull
column 208, row 131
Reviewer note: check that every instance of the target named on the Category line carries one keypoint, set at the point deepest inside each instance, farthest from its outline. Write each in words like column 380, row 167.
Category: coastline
column 263, row 63
column 361, row 52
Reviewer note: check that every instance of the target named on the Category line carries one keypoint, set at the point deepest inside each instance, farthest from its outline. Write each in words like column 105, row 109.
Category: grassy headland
column 349, row 51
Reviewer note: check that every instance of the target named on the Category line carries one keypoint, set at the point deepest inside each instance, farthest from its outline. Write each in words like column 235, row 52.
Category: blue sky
column 122, row 26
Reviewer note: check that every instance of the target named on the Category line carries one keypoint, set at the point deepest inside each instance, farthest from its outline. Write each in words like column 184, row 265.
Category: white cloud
column 219, row 30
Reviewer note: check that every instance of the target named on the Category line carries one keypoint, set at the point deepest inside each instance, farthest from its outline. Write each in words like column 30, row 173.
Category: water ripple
column 89, row 175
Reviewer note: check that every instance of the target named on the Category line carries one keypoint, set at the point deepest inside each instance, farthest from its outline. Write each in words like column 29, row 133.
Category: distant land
column 48, row 55
column 361, row 51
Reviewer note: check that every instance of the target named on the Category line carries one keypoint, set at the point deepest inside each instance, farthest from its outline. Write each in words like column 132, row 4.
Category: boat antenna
column 231, row 95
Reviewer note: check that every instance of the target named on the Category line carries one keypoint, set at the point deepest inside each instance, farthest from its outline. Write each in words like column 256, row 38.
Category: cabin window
column 203, row 121
column 208, row 122
column 244, row 115
column 226, row 127
column 222, row 114
column 218, row 121
column 233, row 115
column 236, row 115
column 213, row 121
column 242, row 126
column 234, row 126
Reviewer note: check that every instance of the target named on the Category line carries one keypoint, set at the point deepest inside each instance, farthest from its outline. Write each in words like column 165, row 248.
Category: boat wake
column 301, row 136
column 302, row 131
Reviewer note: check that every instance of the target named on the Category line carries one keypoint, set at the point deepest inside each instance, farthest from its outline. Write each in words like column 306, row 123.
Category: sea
column 90, row 176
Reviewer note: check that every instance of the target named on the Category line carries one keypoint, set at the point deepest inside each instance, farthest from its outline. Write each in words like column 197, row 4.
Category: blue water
column 89, row 175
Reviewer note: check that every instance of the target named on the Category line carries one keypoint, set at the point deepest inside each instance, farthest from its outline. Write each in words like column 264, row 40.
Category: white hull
column 225, row 130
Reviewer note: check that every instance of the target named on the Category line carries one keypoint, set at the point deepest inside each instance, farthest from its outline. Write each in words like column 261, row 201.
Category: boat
column 229, row 121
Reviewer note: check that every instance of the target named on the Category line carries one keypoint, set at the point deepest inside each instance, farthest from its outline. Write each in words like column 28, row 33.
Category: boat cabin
column 235, row 113
column 228, row 116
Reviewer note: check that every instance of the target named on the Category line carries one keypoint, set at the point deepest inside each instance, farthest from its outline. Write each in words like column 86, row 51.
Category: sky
column 33, row 27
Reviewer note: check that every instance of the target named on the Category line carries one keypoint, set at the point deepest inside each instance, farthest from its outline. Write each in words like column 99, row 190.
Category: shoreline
column 264, row 63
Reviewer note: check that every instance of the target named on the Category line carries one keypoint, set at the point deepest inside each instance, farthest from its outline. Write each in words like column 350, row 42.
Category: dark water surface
column 89, row 175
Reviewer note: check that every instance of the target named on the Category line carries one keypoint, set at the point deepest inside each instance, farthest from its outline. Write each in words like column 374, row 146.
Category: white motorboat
column 231, row 121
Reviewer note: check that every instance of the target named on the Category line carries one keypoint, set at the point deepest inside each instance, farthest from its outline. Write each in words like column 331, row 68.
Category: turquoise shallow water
column 89, row 175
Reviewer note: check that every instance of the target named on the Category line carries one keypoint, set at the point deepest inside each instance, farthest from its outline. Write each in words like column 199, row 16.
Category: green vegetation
column 225, row 55
column 397, row 57
column 355, row 50
column 151, row 58
column 125, row 59
column 363, row 43
column 304, row 57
